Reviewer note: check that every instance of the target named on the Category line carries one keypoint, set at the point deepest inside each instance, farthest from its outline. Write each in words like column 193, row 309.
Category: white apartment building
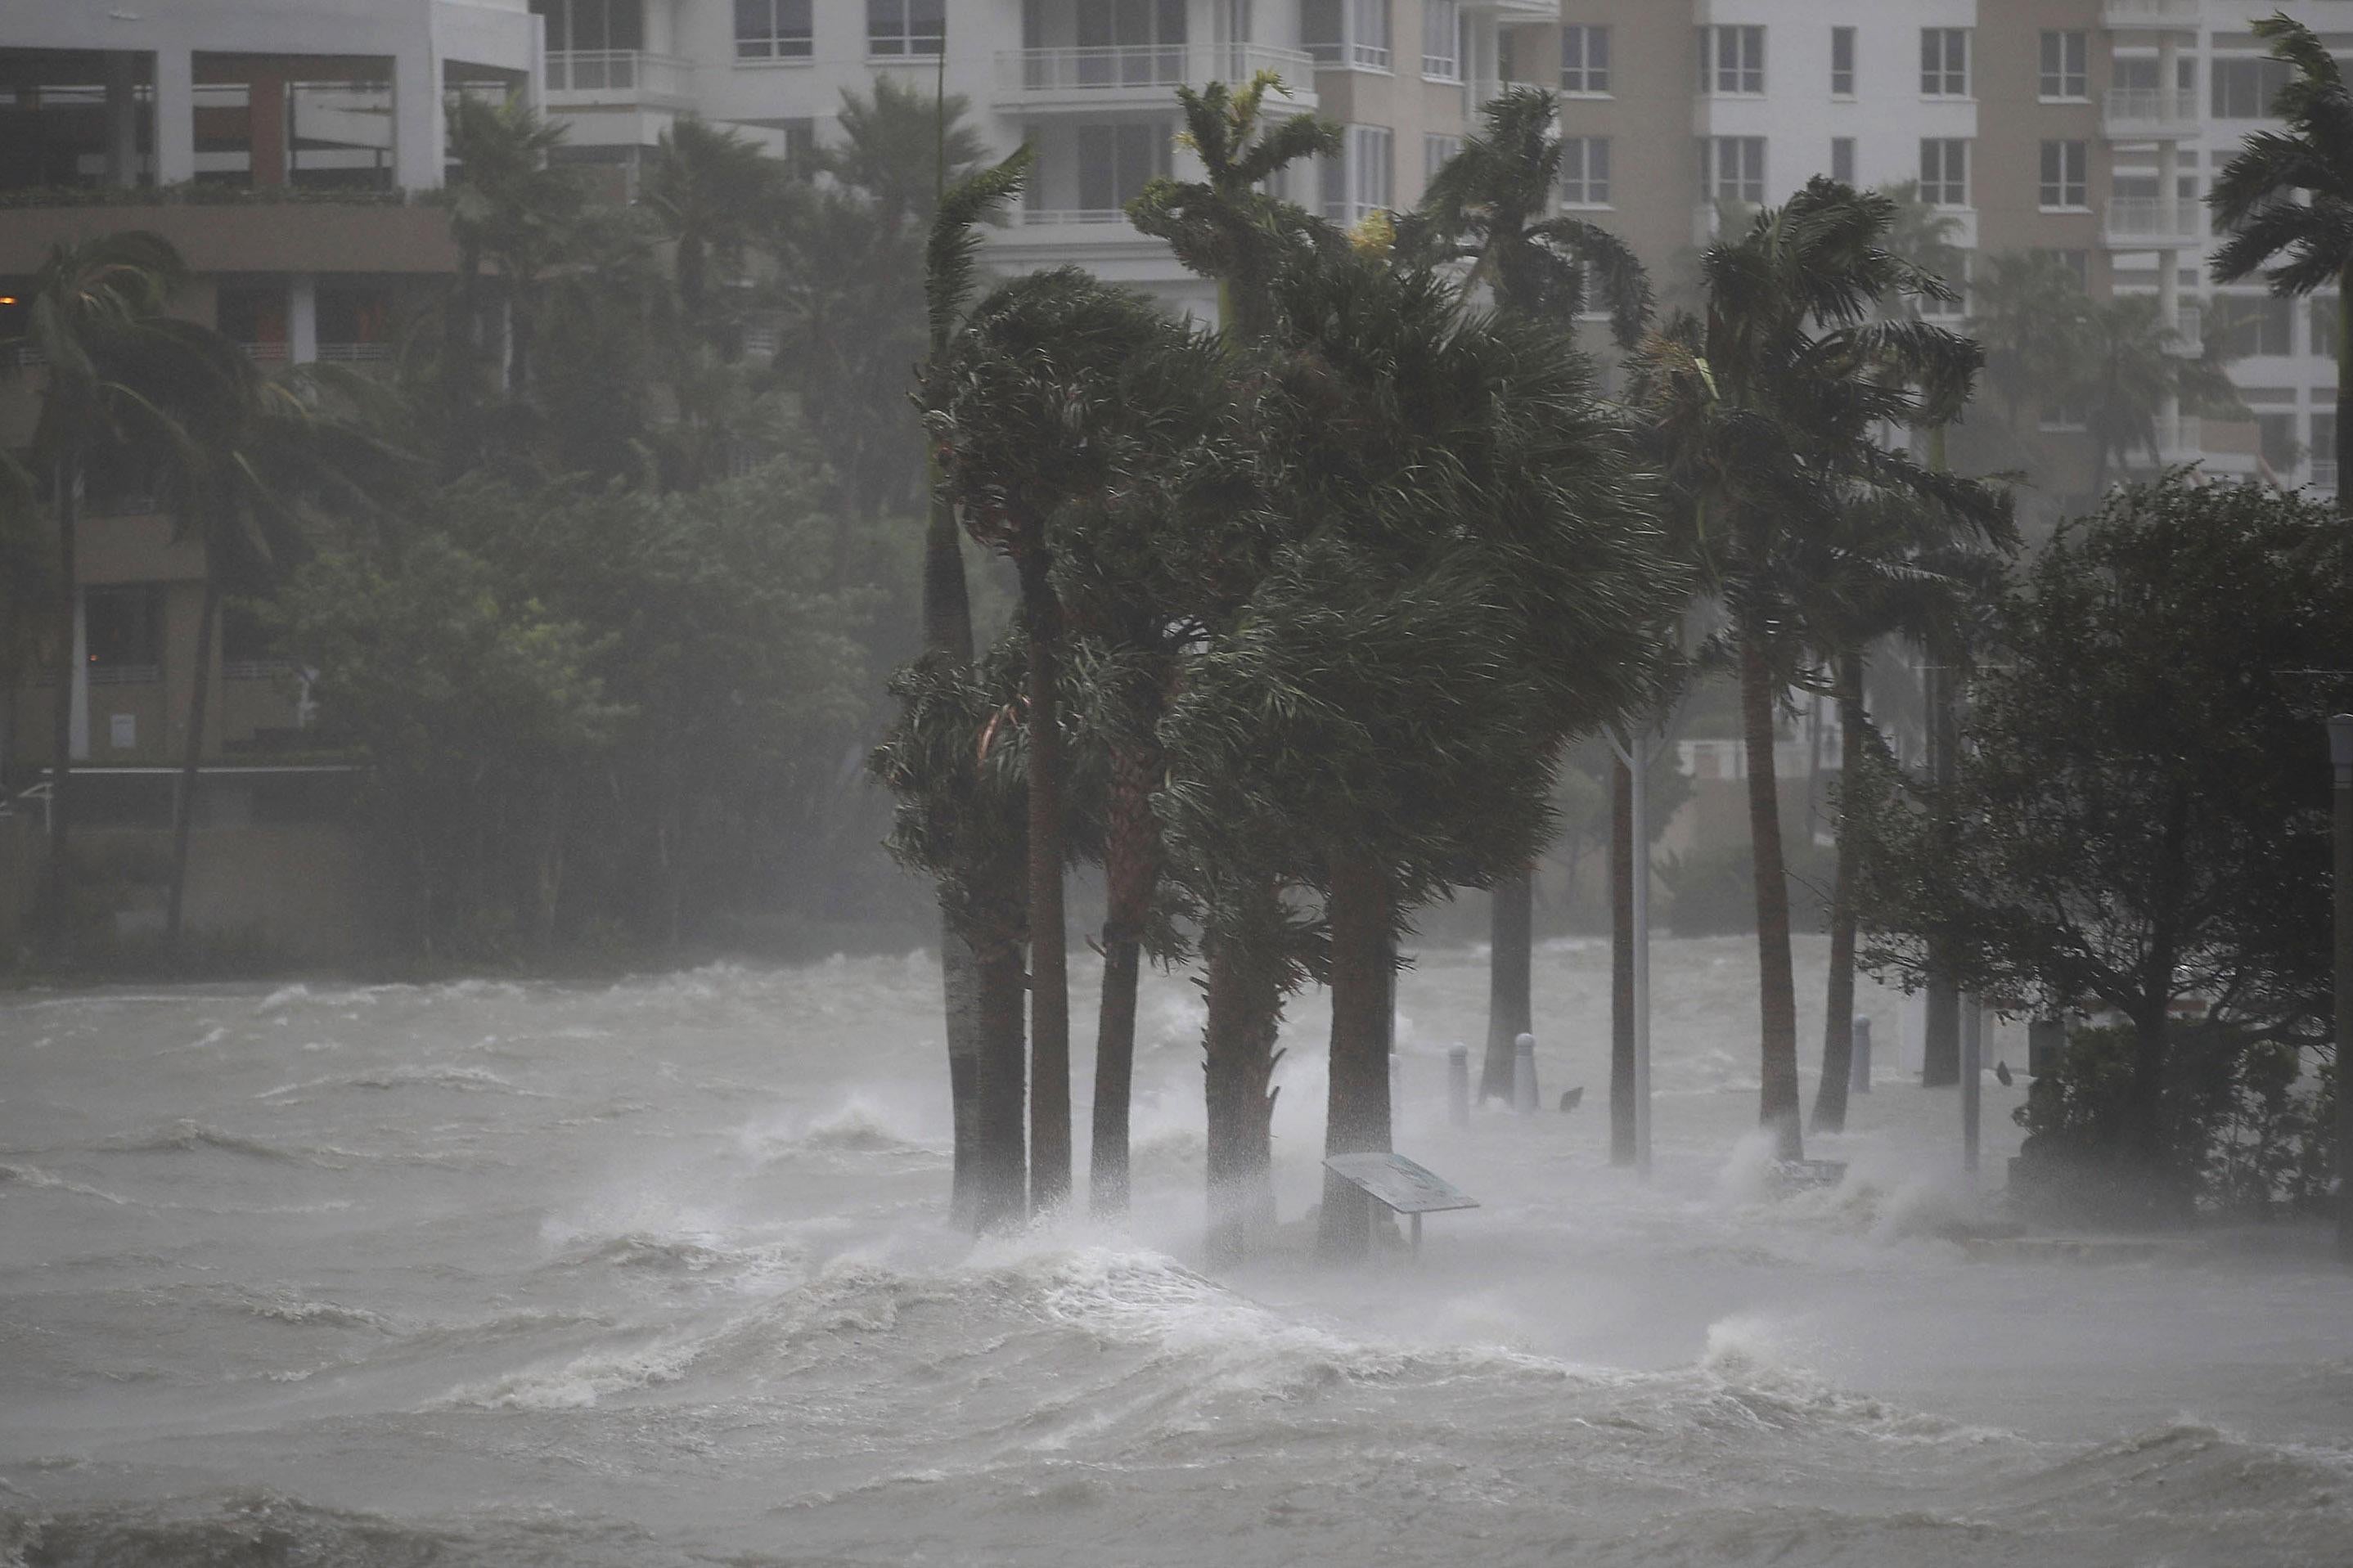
column 1090, row 83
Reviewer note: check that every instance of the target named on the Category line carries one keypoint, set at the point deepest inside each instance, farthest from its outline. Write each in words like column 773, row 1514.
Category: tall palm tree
column 1049, row 387
column 709, row 186
column 97, row 330
column 980, row 959
column 1765, row 413
column 511, row 208
column 2287, row 198
column 2127, row 369
column 1491, row 205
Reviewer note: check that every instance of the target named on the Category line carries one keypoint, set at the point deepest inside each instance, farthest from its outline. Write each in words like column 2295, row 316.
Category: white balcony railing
column 2324, row 474
column 617, row 76
column 1028, row 75
column 2149, row 13
column 2154, row 223
column 1053, row 217
column 355, row 353
column 2147, row 112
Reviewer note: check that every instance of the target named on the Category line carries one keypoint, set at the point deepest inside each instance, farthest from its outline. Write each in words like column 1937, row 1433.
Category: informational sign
column 122, row 731
column 1400, row 1183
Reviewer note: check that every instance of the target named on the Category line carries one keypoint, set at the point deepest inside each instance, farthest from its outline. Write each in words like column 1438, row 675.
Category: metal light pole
column 2341, row 754
column 1637, row 756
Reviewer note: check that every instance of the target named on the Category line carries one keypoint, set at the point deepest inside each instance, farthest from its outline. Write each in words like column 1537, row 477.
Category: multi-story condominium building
column 280, row 148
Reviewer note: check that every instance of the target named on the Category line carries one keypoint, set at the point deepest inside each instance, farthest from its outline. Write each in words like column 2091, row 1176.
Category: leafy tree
column 2287, row 198
column 708, row 186
column 1765, row 415
column 2126, row 370
column 2141, row 812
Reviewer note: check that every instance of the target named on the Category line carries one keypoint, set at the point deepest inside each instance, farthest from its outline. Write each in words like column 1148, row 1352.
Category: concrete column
column 266, row 137
column 78, row 731
column 417, row 128
column 302, row 318
column 121, row 118
column 176, row 117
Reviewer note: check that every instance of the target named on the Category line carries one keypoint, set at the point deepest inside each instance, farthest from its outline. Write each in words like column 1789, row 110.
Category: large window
column 2243, row 89
column 2064, row 73
column 1957, row 308
column 896, row 29
column 1842, row 160
column 2252, row 323
column 1436, row 152
column 2063, row 180
column 1944, row 62
column 1841, row 62
column 1359, row 182
column 123, row 632
column 1116, row 160
column 1442, row 40
column 1731, row 59
column 592, row 25
column 1584, row 60
column 1732, row 169
column 1585, row 170
column 772, row 29
column 1350, row 33
column 2324, row 323
column 1944, row 171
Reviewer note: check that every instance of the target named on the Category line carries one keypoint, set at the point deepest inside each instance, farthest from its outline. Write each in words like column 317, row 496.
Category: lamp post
column 2341, row 754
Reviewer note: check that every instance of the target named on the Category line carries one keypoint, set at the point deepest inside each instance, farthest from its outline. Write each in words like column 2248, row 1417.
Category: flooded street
column 655, row 1273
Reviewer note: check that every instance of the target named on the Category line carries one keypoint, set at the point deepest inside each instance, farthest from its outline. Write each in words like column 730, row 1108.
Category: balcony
column 2149, row 114
column 2154, row 223
column 582, row 79
column 1141, row 74
column 2165, row 15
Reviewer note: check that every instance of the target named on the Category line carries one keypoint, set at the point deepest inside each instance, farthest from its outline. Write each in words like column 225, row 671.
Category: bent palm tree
column 2289, row 193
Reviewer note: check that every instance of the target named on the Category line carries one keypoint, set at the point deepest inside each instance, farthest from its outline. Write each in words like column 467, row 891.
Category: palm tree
column 1764, row 413
column 709, row 186
column 96, row 329
column 1461, row 574
column 2289, row 193
column 980, row 960
column 2126, row 372
column 1228, row 226
column 509, row 206
column 1492, row 205
column 1049, row 390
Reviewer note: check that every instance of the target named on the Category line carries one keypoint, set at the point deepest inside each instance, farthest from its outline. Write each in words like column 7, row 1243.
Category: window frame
column 1846, row 145
column 777, row 44
column 2052, row 187
column 1448, row 67
column 1937, row 76
column 1712, row 170
column 902, row 43
column 1943, row 182
column 1586, row 183
column 1592, row 80
column 1713, row 69
column 1842, row 39
column 2081, row 73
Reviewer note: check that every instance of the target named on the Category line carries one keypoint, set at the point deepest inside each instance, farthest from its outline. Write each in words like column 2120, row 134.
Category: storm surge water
column 655, row 1273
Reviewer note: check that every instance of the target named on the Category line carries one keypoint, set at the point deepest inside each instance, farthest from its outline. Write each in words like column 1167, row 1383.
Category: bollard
column 1858, row 1071
column 1396, row 1072
column 1458, row 1086
column 1523, row 1074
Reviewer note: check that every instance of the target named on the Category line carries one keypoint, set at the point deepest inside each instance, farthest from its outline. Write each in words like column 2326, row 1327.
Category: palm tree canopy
column 508, row 202
column 2289, row 193
column 893, row 149
column 1489, row 205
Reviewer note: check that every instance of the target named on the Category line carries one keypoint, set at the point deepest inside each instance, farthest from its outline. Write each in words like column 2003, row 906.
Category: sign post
column 1401, row 1186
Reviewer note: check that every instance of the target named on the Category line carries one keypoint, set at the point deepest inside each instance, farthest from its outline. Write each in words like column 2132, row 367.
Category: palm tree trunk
column 183, row 820
column 61, row 710
column 2344, row 387
column 1838, row 1011
column 1244, row 994
column 947, row 632
column 1131, row 869
column 999, row 1162
column 1776, row 995
column 1510, row 963
column 1050, row 988
column 1940, row 1049
column 1356, row 1110
column 1623, row 853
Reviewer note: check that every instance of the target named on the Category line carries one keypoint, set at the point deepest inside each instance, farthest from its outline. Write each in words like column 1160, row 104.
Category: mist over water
column 655, row 1273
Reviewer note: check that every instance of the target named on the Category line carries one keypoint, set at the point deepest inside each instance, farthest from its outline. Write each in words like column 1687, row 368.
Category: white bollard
column 1523, row 1074
column 1458, row 1086
column 1858, row 1072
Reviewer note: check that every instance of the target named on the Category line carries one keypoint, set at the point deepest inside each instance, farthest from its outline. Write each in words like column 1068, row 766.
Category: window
column 2324, row 324
column 1584, row 60
column 2252, row 323
column 2275, row 438
column 1944, row 171
column 2324, row 446
column 1116, row 160
column 895, row 28
column 2062, row 175
column 1731, row 59
column 1732, row 169
column 2243, row 90
column 772, row 29
column 1358, row 182
column 592, row 25
column 1442, row 39
column 1585, row 170
column 1944, row 62
column 2063, row 74
column 1139, row 44
column 2078, row 264
column 1347, row 34
column 1436, row 152
column 1368, row 44
column 1842, row 160
column 1841, row 62
column 122, row 633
